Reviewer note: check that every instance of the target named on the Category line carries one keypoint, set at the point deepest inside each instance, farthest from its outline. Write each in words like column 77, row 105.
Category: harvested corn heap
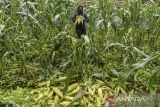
column 78, row 94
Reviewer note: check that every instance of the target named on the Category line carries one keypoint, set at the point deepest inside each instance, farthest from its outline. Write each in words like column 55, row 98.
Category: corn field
column 44, row 64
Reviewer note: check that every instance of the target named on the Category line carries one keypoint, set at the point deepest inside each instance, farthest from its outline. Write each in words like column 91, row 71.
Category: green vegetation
column 41, row 58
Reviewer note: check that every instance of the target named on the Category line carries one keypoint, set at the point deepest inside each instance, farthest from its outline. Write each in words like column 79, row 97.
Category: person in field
column 79, row 19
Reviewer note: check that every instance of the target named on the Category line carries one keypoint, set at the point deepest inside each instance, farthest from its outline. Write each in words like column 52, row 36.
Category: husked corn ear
column 43, row 84
column 75, row 104
column 85, row 99
column 57, row 91
column 109, row 89
column 69, row 98
column 50, row 101
column 82, row 102
column 123, row 91
column 48, row 83
column 100, row 93
column 61, row 79
column 110, row 93
column 35, row 91
column 53, row 105
column 94, row 91
column 72, row 87
column 61, row 88
column 81, row 84
column 75, row 91
column 65, row 103
column 117, row 90
column 104, row 98
column 100, row 82
column 47, row 92
column 90, row 92
column 90, row 98
column 79, row 20
column 56, row 99
column 98, row 102
column 95, row 86
column 50, row 94
column 39, row 97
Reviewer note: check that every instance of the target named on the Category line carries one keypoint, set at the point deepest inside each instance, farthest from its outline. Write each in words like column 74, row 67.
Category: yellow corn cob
column 47, row 92
column 82, row 102
column 65, row 103
column 95, row 86
column 81, row 84
column 100, row 93
column 72, row 87
column 35, row 91
column 40, row 97
column 75, row 91
column 61, row 79
column 90, row 98
column 94, row 91
column 61, row 87
column 75, row 104
column 85, row 99
column 79, row 20
column 57, row 91
column 69, row 98
column 50, row 94
column 117, row 90
column 100, row 82
column 90, row 91
column 110, row 93
column 42, row 84
column 109, row 89
column 123, row 91
column 56, row 99
column 98, row 101
column 48, row 83
column 50, row 101
column 53, row 105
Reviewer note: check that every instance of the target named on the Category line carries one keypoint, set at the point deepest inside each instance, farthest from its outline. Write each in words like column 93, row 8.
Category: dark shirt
column 81, row 28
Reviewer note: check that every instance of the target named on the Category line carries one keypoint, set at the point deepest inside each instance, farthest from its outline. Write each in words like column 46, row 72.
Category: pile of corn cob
column 77, row 94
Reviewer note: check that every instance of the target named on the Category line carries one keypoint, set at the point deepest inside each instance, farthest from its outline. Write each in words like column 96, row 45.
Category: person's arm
column 74, row 18
column 86, row 18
